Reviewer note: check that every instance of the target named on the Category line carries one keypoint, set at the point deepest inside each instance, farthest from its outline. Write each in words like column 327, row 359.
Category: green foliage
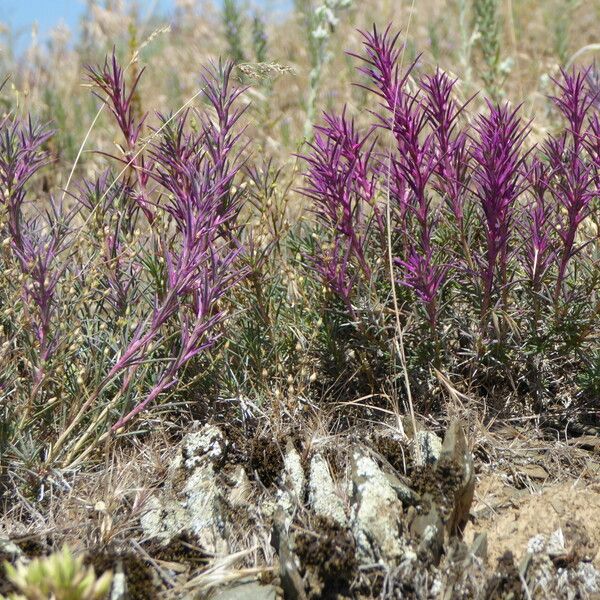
column 287, row 334
column 467, row 39
column 320, row 24
column 590, row 377
column 434, row 39
column 562, row 13
column 233, row 22
column 488, row 27
column 61, row 576
column 259, row 38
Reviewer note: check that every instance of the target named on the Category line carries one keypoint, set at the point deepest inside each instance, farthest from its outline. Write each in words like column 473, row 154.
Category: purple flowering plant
column 480, row 217
column 161, row 303
column 179, row 256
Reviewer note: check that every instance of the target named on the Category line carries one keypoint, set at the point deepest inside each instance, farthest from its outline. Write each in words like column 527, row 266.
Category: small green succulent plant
column 60, row 576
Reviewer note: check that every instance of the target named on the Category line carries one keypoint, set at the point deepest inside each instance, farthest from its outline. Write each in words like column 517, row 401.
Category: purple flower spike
column 422, row 125
column 497, row 183
column 452, row 164
column 573, row 175
column 110, row 81
column 197, row 169
column 539, row 248
column 574, row 102
column 36, row 250
column 425, row 279
column 340, row 184
column 21, row 157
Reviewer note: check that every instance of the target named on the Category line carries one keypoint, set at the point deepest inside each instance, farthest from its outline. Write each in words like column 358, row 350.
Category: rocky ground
column 511, row 514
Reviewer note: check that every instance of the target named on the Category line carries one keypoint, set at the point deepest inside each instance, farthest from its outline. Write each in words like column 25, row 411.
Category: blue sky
column 20, row 15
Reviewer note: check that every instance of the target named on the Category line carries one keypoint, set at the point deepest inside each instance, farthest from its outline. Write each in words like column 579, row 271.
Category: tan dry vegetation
column 173, row 57
column 527, row 482
column 527, row 485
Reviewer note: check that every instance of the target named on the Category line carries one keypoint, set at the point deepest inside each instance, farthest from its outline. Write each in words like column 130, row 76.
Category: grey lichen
column 377, row 513
column 197, row 506
column 323, row 495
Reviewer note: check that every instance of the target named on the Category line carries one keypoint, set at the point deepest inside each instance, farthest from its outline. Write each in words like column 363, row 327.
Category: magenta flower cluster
column 178, row 188
column 441, row 167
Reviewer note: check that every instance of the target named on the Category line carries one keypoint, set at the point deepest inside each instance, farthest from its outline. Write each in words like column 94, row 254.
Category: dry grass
column 524, row 476
column 50, row 77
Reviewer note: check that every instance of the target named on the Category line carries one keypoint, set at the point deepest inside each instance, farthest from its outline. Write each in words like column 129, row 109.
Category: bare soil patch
column 512, row 517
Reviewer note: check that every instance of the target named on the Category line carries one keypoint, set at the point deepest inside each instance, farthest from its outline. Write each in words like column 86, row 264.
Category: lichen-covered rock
column 248, row 590
column 585, row 576
column 289, row 564
column 430, row 447
column 163, row 519
column 241, row 491
column 203, row 447
column 9, row 548
column 446, row 492
column 293, row 483
column 293, row 471
column 204, row 507
column 118, row 590
column 407, row 496
column 376, row 513
column 427, row 529
column 196, row 507
column 323, row 496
